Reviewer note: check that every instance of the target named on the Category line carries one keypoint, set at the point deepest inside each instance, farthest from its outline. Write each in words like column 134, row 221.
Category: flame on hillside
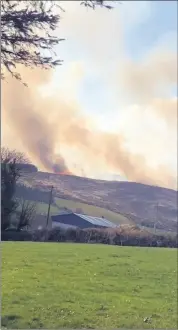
column 64, row 173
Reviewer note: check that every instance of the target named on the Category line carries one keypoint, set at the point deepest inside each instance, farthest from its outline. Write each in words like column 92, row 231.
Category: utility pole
column 49, row 205
column 156, row 218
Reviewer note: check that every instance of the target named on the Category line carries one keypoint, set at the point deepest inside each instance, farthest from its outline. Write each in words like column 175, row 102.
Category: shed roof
column 102, row 222
column 97, row 221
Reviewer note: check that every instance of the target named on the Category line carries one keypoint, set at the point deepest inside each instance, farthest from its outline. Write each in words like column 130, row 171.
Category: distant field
column 52, row 286
column 159, row 231
column 92, row 210
column 42, row 208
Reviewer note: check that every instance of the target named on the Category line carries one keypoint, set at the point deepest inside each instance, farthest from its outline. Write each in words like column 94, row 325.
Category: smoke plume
column 167, row 110
column 150, row 77
column 23, row 111
column 41, row 123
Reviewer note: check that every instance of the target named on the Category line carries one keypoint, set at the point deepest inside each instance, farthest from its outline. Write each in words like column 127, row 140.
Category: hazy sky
column 120, row 68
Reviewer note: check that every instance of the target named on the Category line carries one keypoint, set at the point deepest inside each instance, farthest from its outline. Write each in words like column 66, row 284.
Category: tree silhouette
column 10, row 174
column 27, row 33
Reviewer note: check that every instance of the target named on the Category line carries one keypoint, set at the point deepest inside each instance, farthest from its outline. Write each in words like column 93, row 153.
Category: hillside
column 142, row 203
column 92, row 210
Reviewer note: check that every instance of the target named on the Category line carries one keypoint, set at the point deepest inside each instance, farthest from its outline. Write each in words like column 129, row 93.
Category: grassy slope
column 42, row 208
column 92, row 210
column 87, row 286
column 160, row 231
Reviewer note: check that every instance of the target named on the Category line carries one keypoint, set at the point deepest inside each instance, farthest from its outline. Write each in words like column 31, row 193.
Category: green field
column 42, row 208
column 93, row 210
column 52, row 285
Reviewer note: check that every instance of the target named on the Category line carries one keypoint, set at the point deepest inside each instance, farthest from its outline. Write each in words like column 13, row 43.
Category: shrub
column 40, row 235
column 13, row 235
column 126, row 236
column 57, row 235
column 73, row 234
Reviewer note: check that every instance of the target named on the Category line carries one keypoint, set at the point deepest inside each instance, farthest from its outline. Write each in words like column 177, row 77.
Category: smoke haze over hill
column 52, row 125
column 42, row 122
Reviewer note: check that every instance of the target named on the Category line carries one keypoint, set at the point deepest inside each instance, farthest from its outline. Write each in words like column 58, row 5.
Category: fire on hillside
column 64, row 173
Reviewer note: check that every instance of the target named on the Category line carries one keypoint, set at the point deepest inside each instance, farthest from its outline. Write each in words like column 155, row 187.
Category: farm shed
column 81, row 221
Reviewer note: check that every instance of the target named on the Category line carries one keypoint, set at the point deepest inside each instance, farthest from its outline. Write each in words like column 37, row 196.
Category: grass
column 52, row 286
column 93, row 210
column 42, row 208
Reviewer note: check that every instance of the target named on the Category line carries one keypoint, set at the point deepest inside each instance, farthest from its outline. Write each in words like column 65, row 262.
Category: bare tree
column 101, row 3
column 8, row 156
column 27, row 33
column 27, row 214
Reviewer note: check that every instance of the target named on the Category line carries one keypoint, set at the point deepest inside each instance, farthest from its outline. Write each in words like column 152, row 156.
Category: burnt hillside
column 143, row 203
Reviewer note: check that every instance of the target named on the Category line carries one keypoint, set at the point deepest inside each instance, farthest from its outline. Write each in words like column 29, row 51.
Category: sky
column 119, row 67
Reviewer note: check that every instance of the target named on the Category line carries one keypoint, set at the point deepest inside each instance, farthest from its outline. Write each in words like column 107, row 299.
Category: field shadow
column 35, row 323
column 7, row 320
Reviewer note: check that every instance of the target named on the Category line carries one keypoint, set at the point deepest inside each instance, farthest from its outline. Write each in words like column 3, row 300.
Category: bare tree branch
column 27, row 33
column 26, row 28
column 94, row 4
column 27, row 214
column 8, row 156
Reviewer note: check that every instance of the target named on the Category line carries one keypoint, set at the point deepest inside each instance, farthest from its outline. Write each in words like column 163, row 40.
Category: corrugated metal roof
column 101, row 222
column 97, row 221
column 56, row 224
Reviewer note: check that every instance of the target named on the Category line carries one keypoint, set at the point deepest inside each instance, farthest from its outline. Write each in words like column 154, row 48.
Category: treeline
column 32, row 194
column 131, row 236
column 29, row 168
